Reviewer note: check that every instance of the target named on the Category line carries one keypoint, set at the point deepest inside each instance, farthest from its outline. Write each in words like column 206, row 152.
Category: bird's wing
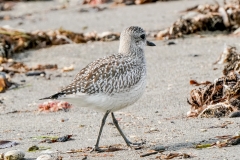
column 101, row 75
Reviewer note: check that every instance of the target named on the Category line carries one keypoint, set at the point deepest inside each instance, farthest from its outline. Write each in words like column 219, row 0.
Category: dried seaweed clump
column 217, row 99
column 125, row 2
column 231, row 59
column 208, row 17
column 13, row 41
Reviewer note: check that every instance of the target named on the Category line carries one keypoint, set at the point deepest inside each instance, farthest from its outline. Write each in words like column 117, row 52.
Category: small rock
column 171, row 43
column 203, row 130
column 237, row 133
column 235, row 141
column 35, row 73
column 33, row 148
column 14, row 155
column 45, row 157
column 1, row 156
column 234, row 114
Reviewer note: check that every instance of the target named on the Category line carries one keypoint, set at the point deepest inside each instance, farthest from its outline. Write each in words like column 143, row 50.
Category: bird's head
column 133, row 39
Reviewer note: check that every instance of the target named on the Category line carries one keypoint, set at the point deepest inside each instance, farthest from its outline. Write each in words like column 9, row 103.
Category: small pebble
column 14, row 155
column 45, row 157
column 171, row 43
column 203, row 130
column 35, row 73
column 1, row 156
column 234, row 114
column 237, row 133
column 236, row 141
column 33, row 148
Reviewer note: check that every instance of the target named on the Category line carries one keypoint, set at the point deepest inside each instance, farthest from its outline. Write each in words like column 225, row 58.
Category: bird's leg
column 129, row 143
column 96, row 147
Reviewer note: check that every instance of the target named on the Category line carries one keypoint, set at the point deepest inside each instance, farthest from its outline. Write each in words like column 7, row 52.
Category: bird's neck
column 128, row 50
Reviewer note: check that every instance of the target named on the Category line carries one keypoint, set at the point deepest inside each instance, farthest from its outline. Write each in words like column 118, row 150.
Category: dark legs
column 129, row 143
column 96, row 147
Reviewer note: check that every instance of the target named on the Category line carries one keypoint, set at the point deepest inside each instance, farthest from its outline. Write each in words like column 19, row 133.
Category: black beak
column 150, row 43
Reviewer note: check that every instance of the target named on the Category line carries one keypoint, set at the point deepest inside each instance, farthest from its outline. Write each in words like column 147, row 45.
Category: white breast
column 103, row 102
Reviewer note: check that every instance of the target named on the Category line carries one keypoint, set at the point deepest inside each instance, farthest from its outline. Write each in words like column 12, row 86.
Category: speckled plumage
column 111, row 75
column 111, row 83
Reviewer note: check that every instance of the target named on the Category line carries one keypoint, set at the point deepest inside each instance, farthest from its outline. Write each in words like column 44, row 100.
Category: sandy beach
column 159, row 117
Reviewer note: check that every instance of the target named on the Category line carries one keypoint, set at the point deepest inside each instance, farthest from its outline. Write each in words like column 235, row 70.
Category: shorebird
column 112, row 83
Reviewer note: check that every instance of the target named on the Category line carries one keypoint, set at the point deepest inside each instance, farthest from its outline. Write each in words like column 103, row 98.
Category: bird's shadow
column 186, row 145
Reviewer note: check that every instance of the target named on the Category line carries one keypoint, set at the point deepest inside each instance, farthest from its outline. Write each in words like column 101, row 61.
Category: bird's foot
column 135, row 144
column 96, row 149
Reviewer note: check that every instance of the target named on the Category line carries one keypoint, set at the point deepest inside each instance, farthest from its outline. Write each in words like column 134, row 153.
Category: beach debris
column 200, row 146
column 45, row 157
column 46, row 66
column 208, row 17
column 231, row 60
column 14, row 155
column 33, row 148
column 93, row 9
column 217, row 99
column 174, row 155
column 53, row 106
column 36, row 73
column 195, row 83
column 4, row 82
column 67, row 69
column 222, row 125
column 19, row 41
column 224, row 141
column 7, row 144
column 95, row 2
column 234, row 114
column 136, row 2
column 111, row 148
column 154, row 150
column 152, row 130
column 6, row 6
column 235, row 140
column 151, row 152
column 237, row 133
column 222, row 97
column 12, row 66
column 57, row 139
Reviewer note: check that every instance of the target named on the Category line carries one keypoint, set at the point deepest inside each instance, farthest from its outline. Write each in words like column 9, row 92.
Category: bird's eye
column 143, row 36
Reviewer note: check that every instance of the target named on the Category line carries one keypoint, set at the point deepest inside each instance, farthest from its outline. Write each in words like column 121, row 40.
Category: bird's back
column 110, row 75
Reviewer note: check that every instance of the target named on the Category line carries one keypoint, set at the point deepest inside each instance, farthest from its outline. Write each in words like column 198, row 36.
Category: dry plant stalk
column 208, row 17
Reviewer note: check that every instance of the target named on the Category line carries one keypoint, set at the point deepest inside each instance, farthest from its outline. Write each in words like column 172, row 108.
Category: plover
column 112, row 83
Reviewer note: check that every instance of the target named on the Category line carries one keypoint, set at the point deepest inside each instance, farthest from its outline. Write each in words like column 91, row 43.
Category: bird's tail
column 55, row 96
